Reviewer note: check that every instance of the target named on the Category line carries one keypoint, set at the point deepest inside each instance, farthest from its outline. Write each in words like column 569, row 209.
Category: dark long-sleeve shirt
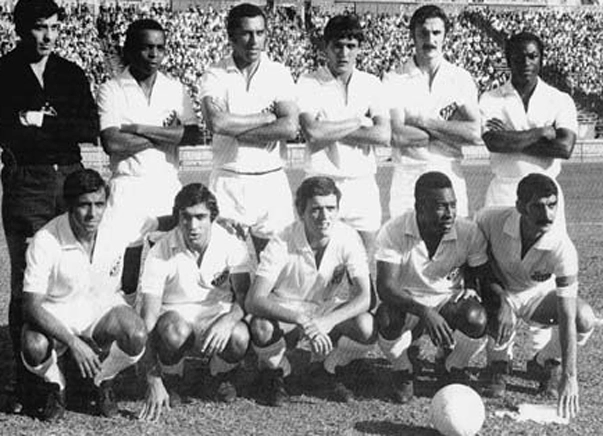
column 66, row 90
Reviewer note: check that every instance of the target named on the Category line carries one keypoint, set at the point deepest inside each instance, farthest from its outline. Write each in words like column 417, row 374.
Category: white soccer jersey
column 270, row 84
column 59, row 268
column 324, row 97
column 427, row 279
column 171, row 271
column 288, row 261
column 122, row 101
column 547, row 107
column 408, row 90
column 553, row 255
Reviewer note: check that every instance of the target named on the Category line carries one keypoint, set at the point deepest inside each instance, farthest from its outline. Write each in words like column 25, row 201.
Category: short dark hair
column 27, row 12
column 424, row 13
column 536, row 185
column 345, row 26
column 244, row 10
column 514, row 43
column 192, row 195
column 134, row 30
column 430, row 181
column 312, row 187
column 82, row 182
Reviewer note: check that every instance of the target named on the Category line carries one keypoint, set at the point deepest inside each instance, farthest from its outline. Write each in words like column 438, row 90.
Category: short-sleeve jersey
column 59, row 267
column 553, row 255
column 324, row 97
column 547, row 107
column 408, row 90
column 121, row 100
column 172, row 273
column 288, row 261
column 399, row 242
column 271, row 83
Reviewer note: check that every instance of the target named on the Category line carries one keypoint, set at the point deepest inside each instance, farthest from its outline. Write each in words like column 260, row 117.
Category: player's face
column 538, row 214
column 248, row 41
column 195, row 225
column 341, row 55
column 319, row 216
column 429, row 39
column 147, row 52
column 438, row 210
column 86, row 213
column 41, row 38
column 526, row 62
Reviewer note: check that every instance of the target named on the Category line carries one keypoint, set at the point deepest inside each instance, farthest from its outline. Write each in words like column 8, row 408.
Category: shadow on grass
column 392, row 428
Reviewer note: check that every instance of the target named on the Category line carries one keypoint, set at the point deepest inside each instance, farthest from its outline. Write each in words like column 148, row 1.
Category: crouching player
column 193, row 287
column 536, row 265
column 72, row 300
column 296, row 294
column 428, row 266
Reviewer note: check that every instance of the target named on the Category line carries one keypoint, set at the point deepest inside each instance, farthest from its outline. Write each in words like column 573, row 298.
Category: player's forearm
column 124, row 144
column 228, row 124
column 405, row 136
column 264, row 307
column 320, row 134
column 512, row 141
column 566, row 307
column 378, row 135
column 457, row 133
column 282, row 129
column 357, row 304
column 161, row 136
column 48, row 324
column 561, row 147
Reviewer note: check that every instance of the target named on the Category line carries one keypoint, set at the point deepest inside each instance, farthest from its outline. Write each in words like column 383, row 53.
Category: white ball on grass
column 457, row 410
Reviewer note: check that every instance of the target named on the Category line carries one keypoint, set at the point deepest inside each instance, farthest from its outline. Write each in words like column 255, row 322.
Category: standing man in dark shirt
column 46, row 110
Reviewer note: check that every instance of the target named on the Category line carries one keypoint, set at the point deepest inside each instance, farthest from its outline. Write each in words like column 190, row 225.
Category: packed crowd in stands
column 197, row 38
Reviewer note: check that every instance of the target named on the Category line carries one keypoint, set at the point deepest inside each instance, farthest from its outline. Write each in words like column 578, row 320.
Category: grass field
column 309, row 413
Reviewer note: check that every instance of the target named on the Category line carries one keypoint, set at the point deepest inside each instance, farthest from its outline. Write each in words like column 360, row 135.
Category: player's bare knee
column 172, row 331
column 366, row 328
column 35, row 347
column 239, row 339
column 585, row 317
column 390, row 321
column 263, row 331
column 474, row 319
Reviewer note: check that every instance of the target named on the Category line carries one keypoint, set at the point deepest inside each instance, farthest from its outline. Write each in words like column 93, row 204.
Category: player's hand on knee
column 217, row 337
column 438, row 329
column 569, row 402
column 85, row 357
column 321, row 344
column 157, row 399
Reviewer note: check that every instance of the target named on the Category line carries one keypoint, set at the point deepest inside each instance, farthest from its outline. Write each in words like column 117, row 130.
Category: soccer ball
column 457, row 410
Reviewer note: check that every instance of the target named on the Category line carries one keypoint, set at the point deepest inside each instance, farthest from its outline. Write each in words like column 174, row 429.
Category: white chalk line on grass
column 586, row 223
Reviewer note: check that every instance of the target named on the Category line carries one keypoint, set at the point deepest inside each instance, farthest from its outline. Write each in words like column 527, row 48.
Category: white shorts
column 261, row 202
column 503, row 192
column 402, row 192
column 135, row 202
column 360, row 205
column 81, row 316
column 525, row 303
column 200, row 316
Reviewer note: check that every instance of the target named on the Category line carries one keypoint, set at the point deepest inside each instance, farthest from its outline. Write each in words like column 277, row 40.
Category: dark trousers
column 32, row 196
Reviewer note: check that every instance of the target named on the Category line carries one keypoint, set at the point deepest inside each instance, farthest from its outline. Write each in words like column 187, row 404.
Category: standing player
column 434, row 113
column 46, row 109
column 193, row 288
column 248, row 104
column 144, row 117
column 528, row 126
column 343, row 118
column 72, row 300
column 428, row 266
column 296, row 292
column 536, row 265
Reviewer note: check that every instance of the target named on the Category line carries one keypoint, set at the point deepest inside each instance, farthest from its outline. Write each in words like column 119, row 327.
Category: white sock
column 500, row 352
column 582, row 338
column 175, row 369
column 539, row 335
column 273, row 356
column 48, row 370
column 217, row 365
column 464, row 350
column 396, row 351
column 344, row 352
column 116, row 361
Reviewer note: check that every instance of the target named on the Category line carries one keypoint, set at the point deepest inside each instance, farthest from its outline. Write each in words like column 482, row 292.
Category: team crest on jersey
column 540, row 276
column 220, row 278
column 116, row 267
column 338, row 273
column 454, row 274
